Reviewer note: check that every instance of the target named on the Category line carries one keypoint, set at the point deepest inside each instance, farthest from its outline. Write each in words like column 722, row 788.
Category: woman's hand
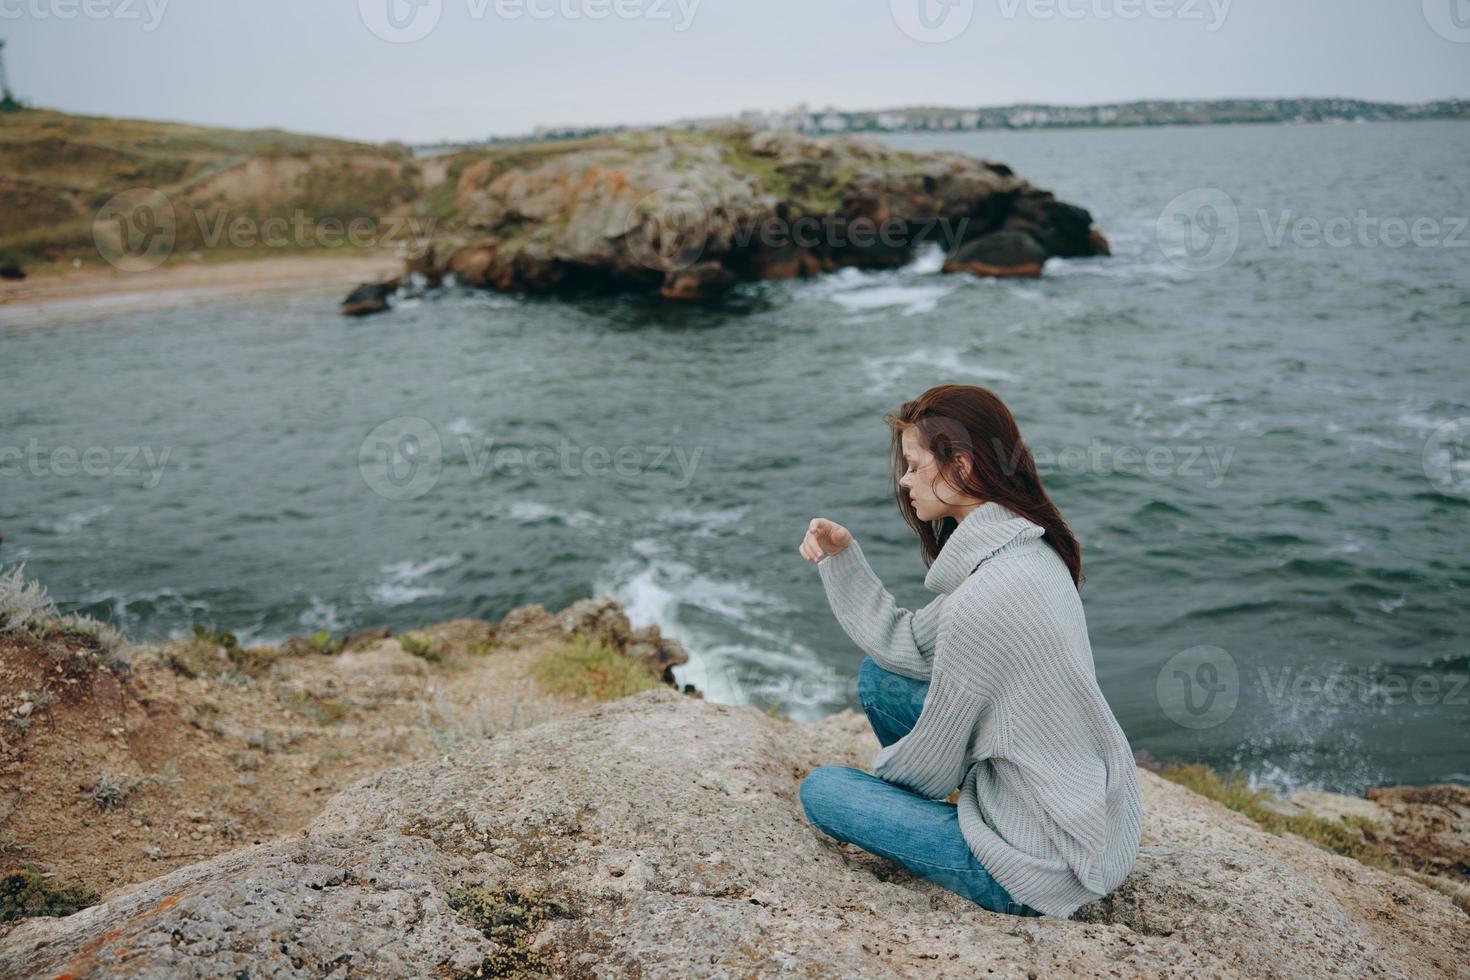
column 824, row 537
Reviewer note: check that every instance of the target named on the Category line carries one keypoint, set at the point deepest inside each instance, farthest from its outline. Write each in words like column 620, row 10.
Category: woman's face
column 933, row 497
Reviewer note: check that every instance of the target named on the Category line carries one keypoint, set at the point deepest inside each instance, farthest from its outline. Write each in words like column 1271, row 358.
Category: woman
column 990, row 687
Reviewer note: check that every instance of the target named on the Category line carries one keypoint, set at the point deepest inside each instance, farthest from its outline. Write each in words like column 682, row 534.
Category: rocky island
column 688, row 215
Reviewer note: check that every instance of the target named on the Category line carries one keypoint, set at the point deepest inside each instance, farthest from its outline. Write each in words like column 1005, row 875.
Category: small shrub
column 586, row 668
column 107, row 793
column 22, row 603
column 422, row 647
column 25, row 607
column 321, row 642
column 323, row 711
column 26, row 892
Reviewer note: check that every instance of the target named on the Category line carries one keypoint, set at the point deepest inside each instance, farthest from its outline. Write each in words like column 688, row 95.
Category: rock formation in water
column 661, row 836
column 689, row 215
column 370, row 297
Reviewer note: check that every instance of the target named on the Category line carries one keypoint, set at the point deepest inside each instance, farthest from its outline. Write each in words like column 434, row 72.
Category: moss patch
column 511, row 919
column 26, row 892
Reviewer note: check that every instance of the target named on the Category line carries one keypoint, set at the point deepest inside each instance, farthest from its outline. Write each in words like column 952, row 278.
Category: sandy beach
column 83, row 294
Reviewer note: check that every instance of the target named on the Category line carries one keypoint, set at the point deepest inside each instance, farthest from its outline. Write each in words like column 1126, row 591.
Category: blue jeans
column 889, row 821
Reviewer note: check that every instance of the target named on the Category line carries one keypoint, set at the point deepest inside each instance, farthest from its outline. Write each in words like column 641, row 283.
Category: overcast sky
column 435, row 69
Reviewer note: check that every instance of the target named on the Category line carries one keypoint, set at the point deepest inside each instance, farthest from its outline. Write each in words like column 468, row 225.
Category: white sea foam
column 655, row 589
column 706, row 523
column 402, row 581
column 912, row 299
column 321, row 615
column 535, row 512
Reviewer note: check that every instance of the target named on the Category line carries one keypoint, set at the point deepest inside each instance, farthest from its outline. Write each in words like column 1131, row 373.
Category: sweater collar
column 984, row 531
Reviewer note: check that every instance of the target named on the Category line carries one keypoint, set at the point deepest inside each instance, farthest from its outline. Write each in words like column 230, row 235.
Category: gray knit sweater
column 1049, row 799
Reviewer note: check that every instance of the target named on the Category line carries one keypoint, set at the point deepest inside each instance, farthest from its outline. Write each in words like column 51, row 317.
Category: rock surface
column 668, row 832
column 689, row 215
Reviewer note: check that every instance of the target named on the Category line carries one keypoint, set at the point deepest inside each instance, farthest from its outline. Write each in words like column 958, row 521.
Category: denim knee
column 881, row 688
column 820, row 785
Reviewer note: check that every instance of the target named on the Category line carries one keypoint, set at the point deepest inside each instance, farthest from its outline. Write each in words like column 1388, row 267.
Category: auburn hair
column 956, row 421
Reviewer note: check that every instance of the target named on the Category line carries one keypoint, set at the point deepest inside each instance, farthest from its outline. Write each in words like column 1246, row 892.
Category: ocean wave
column 77, row 520
column 535, row 512
column 887, row 372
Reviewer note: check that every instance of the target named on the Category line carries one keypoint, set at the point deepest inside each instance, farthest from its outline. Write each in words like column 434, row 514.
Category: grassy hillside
column 58, row 171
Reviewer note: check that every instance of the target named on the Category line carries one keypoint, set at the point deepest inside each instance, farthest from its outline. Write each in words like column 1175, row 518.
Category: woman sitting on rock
column 990, row 687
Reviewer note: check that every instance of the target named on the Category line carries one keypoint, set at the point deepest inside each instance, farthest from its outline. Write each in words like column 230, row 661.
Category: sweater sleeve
column 899, row 640
column 933, row 758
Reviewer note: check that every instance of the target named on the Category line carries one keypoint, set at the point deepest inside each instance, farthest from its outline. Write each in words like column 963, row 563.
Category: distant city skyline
column 431, row 70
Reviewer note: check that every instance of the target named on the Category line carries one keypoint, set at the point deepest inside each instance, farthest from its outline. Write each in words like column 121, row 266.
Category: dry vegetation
column 119, row 764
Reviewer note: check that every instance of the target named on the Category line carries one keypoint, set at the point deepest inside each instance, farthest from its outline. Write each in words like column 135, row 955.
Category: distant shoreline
column 91, row 292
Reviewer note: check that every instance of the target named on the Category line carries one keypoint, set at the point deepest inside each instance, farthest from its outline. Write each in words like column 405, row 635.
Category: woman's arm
column 897, row 639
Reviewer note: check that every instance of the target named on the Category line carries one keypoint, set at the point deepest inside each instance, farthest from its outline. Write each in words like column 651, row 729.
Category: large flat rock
column 669, row 832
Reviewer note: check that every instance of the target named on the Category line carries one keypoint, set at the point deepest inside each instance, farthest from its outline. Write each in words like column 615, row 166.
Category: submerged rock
column 370, row 297
column 662, row 835
column 1000, row 253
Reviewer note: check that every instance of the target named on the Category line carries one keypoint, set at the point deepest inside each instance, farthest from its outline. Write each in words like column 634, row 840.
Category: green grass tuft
column 586, row 668
column 1350, row 836
column 423, row 647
